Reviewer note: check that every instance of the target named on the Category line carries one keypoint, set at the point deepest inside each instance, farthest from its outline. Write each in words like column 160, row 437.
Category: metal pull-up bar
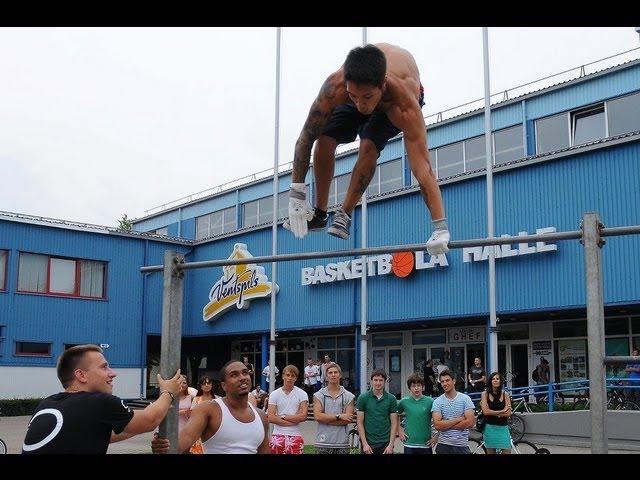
column 591, row 234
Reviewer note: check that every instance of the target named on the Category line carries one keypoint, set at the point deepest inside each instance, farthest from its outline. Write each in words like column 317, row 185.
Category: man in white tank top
column 288, row 406
column 226, row 425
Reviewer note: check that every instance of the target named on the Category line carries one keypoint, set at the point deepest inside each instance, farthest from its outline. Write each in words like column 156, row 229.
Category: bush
column 18, row 407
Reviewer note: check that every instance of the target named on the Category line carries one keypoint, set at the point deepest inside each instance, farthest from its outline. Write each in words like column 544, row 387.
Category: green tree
column 125, row 223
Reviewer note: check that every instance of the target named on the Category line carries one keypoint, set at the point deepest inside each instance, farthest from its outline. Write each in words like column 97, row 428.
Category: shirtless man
column 376, row 94
column 244, row 429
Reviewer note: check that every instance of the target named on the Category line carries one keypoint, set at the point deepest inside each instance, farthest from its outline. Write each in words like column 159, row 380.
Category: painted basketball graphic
column 402, row 264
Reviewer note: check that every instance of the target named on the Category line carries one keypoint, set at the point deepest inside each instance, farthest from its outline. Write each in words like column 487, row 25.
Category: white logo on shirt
column 52, row 435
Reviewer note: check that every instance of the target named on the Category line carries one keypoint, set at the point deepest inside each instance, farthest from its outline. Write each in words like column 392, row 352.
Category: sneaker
column 317, row 223
column 341, row 225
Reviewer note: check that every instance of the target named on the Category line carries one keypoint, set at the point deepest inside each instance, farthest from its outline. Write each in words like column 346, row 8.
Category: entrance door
column 513, row 363
column 390, row 360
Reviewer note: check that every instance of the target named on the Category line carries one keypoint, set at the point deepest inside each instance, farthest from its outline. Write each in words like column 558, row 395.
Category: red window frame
column 6, row 268
column 76, row 291
column 19, row 354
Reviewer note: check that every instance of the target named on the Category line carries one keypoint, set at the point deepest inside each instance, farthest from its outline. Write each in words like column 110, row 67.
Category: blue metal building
column 559, row 152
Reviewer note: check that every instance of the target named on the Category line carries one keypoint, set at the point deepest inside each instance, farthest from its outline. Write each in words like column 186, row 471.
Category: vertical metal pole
column 363, row 282
column 492, row 333
column 274, row 227
column 595, row 330
column 171, row 339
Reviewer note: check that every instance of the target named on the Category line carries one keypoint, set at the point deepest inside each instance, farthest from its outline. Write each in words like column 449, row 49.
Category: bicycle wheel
column 543, row 451
column 628, row 405
column 525, row 448
column 476, row 447
column 3, row 448
column 516, row 427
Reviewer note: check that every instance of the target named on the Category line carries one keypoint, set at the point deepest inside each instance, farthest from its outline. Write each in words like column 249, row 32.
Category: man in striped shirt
column 452, row 414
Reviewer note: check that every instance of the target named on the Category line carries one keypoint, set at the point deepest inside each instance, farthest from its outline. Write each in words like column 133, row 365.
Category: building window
column 552, row 133
column 508, row 145
column 374, row 184
column 33, row 349
column 4, row 255
column 588, row 125
column 390, row 175
column 475, row 154
column 260, row 211
column 162, row 231
column 571, row 328
column 61, row 276
column 622, row 114
column 341, row 187
column 450, row 160
column 216, row 223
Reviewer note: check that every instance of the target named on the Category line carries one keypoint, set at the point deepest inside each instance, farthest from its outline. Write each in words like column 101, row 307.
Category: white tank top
column 234, row 436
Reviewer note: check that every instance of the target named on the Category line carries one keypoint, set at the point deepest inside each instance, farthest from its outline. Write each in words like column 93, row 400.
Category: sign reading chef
column 239, row 284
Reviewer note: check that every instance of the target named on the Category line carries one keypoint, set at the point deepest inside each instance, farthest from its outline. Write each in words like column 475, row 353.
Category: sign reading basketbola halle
column 238, row 285
column 403, row 263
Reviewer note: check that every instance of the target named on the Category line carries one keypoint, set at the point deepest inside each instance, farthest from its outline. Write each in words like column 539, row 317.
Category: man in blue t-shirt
column 452, row 414
column 633, row 371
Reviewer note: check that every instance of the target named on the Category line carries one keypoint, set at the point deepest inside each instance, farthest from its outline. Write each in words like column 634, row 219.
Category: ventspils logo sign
column 238, row 286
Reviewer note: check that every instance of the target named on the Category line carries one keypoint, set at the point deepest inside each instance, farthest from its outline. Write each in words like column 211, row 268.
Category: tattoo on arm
column 316, row 120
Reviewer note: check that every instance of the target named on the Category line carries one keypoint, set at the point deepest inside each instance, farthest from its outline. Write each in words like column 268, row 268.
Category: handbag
column 481, row 421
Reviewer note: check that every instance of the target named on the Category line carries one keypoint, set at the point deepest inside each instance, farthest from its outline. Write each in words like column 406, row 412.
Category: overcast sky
column 99, row 122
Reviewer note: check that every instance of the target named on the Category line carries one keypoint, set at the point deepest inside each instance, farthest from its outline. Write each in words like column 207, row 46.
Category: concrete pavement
column 12, row 430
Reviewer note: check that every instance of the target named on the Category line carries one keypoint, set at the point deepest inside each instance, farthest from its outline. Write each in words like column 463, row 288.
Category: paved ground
column 12, row 431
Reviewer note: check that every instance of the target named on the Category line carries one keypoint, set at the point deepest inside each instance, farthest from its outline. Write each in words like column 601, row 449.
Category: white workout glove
column 439, row 239
column 300, row 211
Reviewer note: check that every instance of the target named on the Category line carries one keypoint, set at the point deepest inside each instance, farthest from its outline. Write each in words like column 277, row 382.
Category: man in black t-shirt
column 86, row 417
column 477, row 376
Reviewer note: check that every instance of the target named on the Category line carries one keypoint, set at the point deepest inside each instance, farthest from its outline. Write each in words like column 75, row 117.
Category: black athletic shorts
column 346, row 122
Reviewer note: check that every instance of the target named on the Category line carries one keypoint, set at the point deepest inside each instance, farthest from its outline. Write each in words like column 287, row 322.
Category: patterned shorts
column 286, row 444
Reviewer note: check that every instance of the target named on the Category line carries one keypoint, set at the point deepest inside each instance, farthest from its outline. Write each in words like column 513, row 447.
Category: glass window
column 508, row 145
column 616, row 326
column 33, row 348
column 162, row 231
column 32, row 273
column 91, row 279
column 450, row 160
column 390, row 176
column 342, row 184
column 513, row 332
column 635, row 324
column 616, row 347
column 265, row 210
column 474, row 151
column 588, row 125
column 346, row 360
column 346, row 341
column 250, row 214
column 229, row 219
column 283, row 204
column 62, row 276
column 573, row 328
column 326, row 342
column 552, row 133
column 623, row 114
column 3, row 269
column 429, row 338
column 374, row 185
column 385, row 339
column 202, row 227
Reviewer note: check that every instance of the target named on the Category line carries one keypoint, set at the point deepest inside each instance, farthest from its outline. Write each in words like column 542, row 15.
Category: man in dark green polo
column 377, row 416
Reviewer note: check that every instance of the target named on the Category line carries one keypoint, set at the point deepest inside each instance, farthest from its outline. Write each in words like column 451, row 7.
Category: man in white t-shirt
column 288, row 406
column 265, row 374
column 310, row 372
column 452, row 414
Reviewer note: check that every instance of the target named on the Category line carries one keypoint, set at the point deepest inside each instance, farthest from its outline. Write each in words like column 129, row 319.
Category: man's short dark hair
column 365, row 65
column 378, row 373
column 446, row 373
column 223, row 370
column 70, row 359
column 415, row 378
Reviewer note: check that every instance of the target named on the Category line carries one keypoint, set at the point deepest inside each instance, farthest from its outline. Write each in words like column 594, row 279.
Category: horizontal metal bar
column 477, row 242
column 627, row 359
column 630, row 230
column 287, row 257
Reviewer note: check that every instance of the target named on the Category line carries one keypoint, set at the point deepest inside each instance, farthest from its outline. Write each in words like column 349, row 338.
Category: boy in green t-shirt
column 416, row 409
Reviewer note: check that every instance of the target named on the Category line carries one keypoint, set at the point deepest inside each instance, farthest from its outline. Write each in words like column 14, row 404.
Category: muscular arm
column 467, row 421
column 331, row 94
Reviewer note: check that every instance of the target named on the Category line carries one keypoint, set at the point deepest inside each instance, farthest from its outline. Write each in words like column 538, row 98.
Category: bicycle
column 3, row 447
column 521, row 447
column 354, row 442
column 616, row 400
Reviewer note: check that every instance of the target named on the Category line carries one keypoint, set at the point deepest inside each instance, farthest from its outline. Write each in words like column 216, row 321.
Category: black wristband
column 173, row 397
